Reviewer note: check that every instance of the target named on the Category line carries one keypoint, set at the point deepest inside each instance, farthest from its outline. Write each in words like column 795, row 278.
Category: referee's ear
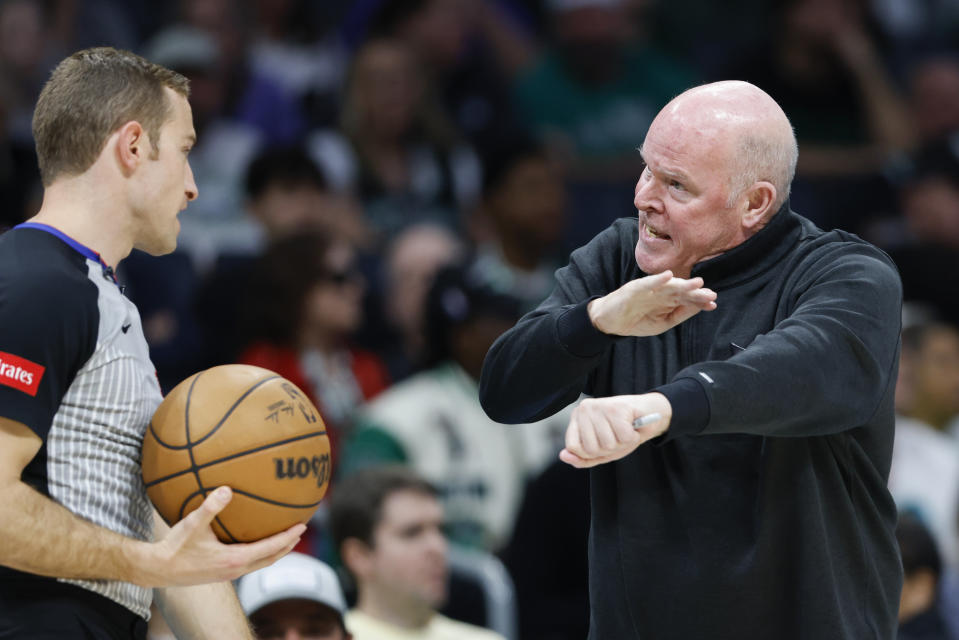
column 132, row 145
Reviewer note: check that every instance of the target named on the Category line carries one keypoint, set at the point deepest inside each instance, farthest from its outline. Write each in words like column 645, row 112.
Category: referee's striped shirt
column 75, row 368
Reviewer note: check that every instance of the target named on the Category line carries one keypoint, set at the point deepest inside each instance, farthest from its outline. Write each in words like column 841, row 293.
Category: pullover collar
column 754, row 256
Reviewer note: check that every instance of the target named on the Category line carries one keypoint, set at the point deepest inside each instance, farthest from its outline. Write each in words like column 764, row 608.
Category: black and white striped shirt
column 75, row 368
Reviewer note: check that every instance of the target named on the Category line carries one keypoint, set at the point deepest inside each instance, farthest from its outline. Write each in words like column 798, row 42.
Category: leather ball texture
column 244, row 427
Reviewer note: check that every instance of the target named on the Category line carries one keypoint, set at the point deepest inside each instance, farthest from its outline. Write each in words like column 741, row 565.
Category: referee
column 82, row 552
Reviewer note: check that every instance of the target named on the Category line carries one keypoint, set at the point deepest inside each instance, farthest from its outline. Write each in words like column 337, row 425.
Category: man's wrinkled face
column 682, row 196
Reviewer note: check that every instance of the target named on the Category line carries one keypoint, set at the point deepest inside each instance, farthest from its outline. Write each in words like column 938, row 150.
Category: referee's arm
column 40, row 536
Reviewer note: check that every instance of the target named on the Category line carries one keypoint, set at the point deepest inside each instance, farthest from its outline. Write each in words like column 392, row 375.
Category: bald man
column 761, row 354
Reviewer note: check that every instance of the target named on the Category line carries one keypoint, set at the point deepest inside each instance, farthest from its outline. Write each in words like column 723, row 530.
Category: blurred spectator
column 285, row 194
column 303, row 304
column 411, row 261
column 19, row 178
column 28, row 50
column 553, row 522
column 395, row 149
column 225, row 145
column 387, row 524
column 79, row 24
column 296, row 43
column 456, row 42
column 709, row 36
column 918, row 25
column 254, row 97
column 924, row 477
column 433, row 421
column 930, row 355
column 824, row 66
column 295, row 598
column 934, row 96
column 590, row 97
column 920, row 617
column 524, row 201
column 301, row 307
column 923, row 240
column 594, row 92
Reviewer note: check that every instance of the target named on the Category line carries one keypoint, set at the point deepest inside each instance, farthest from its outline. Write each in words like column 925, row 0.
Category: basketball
column 244, row 427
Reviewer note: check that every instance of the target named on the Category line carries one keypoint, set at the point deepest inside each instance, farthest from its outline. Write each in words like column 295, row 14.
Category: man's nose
column 646, row 194
column 190, row 184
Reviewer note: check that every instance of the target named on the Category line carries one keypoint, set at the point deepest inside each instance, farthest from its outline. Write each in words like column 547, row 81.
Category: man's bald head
column 745, row 123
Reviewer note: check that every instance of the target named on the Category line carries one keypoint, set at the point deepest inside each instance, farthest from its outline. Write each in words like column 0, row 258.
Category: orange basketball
column 244, row 427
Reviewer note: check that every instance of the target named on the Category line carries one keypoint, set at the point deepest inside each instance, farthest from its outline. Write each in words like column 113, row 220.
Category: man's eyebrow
column 675, row 174
column 191, row 138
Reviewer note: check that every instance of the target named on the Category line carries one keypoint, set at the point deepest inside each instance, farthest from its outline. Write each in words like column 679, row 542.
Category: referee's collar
column 80, row 248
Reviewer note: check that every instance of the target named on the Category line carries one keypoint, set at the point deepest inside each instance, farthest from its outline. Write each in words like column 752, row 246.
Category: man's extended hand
column 601, row 429
column 190, row 552
column 651, row 305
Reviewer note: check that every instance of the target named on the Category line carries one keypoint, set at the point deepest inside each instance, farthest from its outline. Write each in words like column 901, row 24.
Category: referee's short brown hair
column 91, row 94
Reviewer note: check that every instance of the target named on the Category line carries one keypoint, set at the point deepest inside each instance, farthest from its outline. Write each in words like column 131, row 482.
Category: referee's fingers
column 213, row 505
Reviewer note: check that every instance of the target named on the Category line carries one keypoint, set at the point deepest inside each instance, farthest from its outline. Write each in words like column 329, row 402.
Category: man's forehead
column 405, row 508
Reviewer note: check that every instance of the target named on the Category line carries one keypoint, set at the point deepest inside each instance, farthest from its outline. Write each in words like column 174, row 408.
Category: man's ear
column 759, row 202
column 132, row 146
column 357, row 557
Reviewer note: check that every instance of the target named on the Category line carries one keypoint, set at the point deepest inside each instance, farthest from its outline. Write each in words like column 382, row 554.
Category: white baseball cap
column 295, row 575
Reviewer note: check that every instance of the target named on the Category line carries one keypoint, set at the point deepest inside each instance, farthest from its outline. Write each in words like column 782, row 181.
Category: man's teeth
column 650, row 231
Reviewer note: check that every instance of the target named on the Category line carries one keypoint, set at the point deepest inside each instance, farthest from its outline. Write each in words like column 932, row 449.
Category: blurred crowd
column 387, row 185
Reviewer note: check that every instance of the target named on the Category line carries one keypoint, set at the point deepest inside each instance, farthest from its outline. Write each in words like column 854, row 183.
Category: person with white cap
column 296, row 598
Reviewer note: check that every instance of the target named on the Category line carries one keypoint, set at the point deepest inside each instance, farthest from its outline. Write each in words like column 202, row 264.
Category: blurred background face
column 297, row 619
column 438, row 31
column 285, row 208
column 21, row 34
column 531, row 202
column 590, row 41
column 935, row 98
column 472, row 340
column 408, row 558
column 414, row 260
column 386, row 89
column 936, row 370
column 333, row 307
column 931, row 209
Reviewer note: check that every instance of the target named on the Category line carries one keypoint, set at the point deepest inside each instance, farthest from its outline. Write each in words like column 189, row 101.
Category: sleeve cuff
column 578, row 335
column 690, row 407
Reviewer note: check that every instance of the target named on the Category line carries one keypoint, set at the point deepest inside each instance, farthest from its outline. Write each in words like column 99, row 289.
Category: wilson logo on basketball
column 20, row 373
column 303, row 467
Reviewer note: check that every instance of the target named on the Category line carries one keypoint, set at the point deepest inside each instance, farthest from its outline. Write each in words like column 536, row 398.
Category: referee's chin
column 159, row 246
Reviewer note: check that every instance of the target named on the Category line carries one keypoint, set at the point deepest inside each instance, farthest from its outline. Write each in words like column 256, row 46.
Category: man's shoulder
column 448, row 629
column 365, row 627
column 837, row 246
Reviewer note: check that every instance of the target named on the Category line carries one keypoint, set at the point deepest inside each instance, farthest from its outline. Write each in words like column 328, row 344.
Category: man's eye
column 676, row 185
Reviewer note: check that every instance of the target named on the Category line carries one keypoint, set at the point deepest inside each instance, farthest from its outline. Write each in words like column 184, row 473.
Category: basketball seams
column 230, row 411
column 186, row 422
column 221, row 428
column 174, row 447
column 277, row 503
column 314, row 434
column 189, row 445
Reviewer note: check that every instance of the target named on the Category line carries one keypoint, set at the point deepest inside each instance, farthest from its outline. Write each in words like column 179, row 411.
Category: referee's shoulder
column 40, row 272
